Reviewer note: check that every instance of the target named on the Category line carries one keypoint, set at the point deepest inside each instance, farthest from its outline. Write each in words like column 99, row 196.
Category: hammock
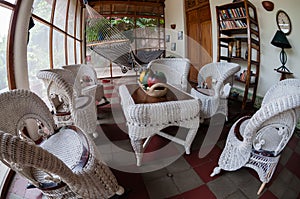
column 109, row 42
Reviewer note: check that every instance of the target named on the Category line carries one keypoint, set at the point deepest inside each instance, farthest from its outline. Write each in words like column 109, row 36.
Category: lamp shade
column 280, row 40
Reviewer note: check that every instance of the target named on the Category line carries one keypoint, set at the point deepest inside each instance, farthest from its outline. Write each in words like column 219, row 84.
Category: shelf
column 231, row 31
column 235, row 39
column 252, row 85
column 238, row 59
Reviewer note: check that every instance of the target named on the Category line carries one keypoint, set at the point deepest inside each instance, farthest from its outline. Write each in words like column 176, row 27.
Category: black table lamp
column 280, row 40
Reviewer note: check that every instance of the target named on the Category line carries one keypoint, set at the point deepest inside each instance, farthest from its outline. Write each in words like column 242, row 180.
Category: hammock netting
column 109, row 42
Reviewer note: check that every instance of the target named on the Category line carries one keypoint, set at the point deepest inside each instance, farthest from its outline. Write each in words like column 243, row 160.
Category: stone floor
column 189, row 176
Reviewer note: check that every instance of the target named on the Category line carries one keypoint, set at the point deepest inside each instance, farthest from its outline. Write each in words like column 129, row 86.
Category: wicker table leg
column 137, row 146
column 189, row 139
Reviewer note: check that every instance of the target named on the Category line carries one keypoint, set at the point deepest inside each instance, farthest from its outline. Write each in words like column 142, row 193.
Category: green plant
column 96, row 29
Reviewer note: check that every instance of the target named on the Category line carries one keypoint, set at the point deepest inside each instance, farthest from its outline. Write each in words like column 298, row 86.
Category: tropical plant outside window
column 144, row 34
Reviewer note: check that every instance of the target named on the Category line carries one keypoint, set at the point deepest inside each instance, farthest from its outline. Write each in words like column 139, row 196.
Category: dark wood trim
column 66, row 30
column 136, row 3
column 82, row 36
column 51, row 34
column 203, row 4
column 10, row 47
column 6, row 4
column 75, row 33
column 43, row 21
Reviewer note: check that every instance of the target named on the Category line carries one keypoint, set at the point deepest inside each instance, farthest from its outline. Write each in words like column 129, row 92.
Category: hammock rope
column 108, row 41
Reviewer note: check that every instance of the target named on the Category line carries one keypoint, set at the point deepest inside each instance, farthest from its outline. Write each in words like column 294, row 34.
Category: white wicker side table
column 147, row 116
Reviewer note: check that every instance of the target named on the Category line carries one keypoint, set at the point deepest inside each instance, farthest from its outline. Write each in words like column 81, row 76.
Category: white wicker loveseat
column 61, row 162
column 257, row 142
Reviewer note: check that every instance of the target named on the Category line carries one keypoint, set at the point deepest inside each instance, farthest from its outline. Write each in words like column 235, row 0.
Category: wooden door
column 200, row 37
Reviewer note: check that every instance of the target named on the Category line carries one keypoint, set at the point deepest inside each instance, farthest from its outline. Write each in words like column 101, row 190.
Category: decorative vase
column 268, row 5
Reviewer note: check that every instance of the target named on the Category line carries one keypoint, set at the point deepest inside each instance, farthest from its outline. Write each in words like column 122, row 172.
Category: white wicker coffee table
column 147, row 116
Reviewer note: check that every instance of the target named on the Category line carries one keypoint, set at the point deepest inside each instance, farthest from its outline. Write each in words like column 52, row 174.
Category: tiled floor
column 189, row 176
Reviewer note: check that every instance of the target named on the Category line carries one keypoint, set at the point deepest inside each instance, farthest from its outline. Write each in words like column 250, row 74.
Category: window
column 53, row 42
column 5, row 15
column 141, row 22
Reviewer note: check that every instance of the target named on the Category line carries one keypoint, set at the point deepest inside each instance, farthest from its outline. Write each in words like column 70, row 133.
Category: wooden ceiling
column 141, row 8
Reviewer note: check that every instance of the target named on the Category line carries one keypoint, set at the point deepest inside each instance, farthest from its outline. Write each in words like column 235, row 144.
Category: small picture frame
column 180, row 35
column 167, row 38
column 173, row 46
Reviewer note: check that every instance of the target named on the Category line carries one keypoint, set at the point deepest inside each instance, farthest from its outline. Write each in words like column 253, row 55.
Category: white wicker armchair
column 221, row 74
column 175, row 69
column 256, row 142
column 61, row 162
column 87, row 77
column 69, row 105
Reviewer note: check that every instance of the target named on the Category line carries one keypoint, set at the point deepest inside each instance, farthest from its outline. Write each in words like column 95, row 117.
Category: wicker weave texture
column 64, row 89
column 145, row 120
column 87, row 77
column 265, row 134
column 175, row 69
column 58, row 158
column 222, row 73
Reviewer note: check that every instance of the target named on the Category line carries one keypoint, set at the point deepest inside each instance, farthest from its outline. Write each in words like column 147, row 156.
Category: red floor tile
column 109, row 87
column 205, row 170
column 111, row 95
column 268, row 195
column 194, row 160
column 293, row 164
column 293, row 142
column 132, row 182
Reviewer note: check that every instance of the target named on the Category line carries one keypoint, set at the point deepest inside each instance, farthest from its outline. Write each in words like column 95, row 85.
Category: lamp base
column 283, row 69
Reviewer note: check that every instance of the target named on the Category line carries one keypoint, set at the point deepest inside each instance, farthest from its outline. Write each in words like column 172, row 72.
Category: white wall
column 269, row 53
column 20, row 45
column 174, row 13
column 268, row 27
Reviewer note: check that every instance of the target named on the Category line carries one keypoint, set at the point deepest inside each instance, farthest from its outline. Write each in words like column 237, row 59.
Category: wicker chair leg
column 262, row 186
column 120, row 191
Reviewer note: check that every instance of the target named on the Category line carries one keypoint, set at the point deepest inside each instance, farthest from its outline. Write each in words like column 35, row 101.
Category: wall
column 174, row 13
column 269, row 53
column 268, row 27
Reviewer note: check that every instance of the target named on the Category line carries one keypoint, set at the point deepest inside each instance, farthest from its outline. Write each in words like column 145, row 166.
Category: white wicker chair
column 221, row 74
column 175, row 69
column 87, row 77
column 69, row 105
column 61, row 162
column 257, row 142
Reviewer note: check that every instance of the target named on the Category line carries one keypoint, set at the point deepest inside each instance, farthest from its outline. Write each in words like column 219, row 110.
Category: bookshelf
column 238, row 41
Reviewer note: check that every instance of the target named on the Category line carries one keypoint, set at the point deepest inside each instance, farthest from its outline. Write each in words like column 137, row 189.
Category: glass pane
column 58, row 49
column 38, row 56
column 42, row 9
column 146, row 22
column 71, row 58
column 78, row 18
column 71, row 17
column 11, row 1
column 60, row 14
column 5, row 15
column 78, row 54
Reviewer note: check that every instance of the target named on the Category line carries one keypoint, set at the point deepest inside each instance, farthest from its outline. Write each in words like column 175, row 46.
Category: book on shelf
column 232, row 13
